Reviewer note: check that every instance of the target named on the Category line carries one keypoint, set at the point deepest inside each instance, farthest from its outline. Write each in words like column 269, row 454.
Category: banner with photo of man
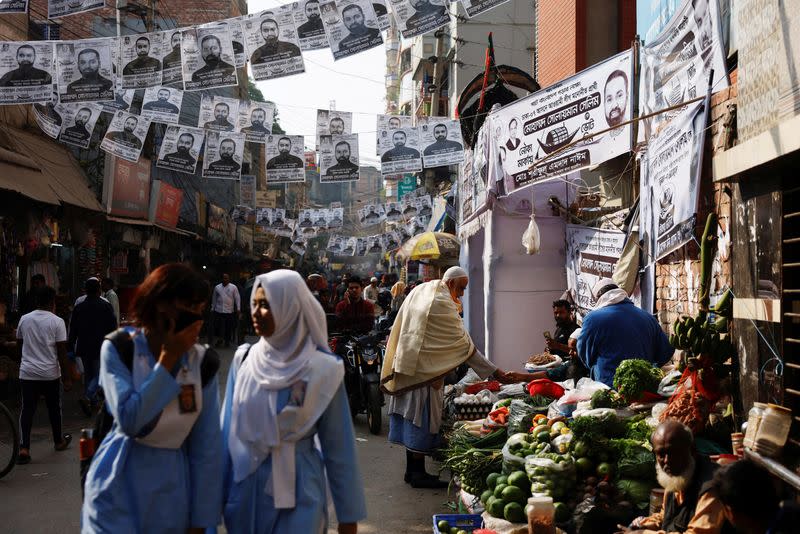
column 351, row 26
column 13, row 6
column 236, row 31
column 385, row 123
column 255, row 120
column 310, row 29
column 305, row 218
column 371, row 214
column 180, row 149
column 125, row 136
column 671, row 178
column 171, row 64
column 78, row 122
column 440, row 139
column 415, row 17
column 592, row 254
column 272, row 44
column 331, row 122
column 299, row 245
column 676, row 65
column 207, row 58
column 84, row 71
column 123, row 98
column 284, row 155
column 222, row 157
column 47, row 118
column 338, row 158
column 162, row 104
column 218, row 113
column 138, row 63
column 552, row 132
column 393, row 211
column 399, row 150
column 336, row 243
column 335, row 217
column 375, row 244
column 62, row 8
column 27, row 72
column 478, row 7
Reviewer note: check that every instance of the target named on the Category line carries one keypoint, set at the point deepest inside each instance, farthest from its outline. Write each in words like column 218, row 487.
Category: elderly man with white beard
column 690, row 503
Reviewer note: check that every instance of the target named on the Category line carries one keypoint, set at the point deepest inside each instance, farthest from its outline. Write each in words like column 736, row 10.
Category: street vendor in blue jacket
column 616, row 330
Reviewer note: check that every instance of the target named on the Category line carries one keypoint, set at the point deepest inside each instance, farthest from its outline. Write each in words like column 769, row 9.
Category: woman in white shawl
column 282, row 392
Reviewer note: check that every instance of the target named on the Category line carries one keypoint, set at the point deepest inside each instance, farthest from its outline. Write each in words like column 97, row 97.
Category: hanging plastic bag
column 531, row 239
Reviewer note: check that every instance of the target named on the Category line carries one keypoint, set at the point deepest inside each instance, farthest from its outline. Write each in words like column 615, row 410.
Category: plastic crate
column 468, row 522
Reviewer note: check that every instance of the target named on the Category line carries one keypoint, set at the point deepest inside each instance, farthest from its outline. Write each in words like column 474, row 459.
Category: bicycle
column 9, row 441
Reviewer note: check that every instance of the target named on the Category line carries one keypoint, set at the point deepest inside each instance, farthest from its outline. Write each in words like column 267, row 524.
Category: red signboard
column 167, row 201
column 127, row 187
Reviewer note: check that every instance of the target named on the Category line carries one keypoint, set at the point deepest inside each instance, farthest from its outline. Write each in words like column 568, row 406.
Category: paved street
column 44, row 496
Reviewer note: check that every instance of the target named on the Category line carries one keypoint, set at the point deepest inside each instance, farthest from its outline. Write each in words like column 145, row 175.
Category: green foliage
column 634, row 377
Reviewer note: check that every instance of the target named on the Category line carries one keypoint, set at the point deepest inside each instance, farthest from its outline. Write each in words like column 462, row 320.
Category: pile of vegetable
column 506, row 496
column 607, row 398
column 635, row 377
column 472, row 460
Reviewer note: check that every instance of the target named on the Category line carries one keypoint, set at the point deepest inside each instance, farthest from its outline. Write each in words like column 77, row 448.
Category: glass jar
column 656, row 500
column 541, row 515
column 774, row 430
column 754, row 417
column 737, row 442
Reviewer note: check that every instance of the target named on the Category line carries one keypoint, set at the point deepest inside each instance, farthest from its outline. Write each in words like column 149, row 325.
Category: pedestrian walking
column 42, row 339
column 111, row 296
column 225, row 303
column 159, row 468
column 91, row 321
column 282, row 392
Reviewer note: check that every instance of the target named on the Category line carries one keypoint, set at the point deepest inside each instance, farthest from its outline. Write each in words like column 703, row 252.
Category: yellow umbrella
column 430, row 246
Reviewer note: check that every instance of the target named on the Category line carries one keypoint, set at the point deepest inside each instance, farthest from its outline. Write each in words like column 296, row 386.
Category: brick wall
column 556, row 40
column 678, row 275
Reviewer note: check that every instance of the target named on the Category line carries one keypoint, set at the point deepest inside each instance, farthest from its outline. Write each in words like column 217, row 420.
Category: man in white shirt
column 111, row 296
column 225, row 304
column 371, row 291
column 42, row 339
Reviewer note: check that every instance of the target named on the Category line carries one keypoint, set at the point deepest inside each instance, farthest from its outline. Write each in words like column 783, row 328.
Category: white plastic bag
column 531, row 239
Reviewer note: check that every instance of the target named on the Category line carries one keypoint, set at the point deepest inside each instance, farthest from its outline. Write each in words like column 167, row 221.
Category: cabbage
column 517, row 439
column 637, row 491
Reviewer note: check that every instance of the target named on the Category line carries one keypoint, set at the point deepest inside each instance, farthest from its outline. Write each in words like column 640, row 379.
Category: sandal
column 23, row 458
column 64, row 443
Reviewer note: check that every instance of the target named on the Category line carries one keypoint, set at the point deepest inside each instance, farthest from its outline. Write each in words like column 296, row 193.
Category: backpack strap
column 123, row 342
column 209, row 366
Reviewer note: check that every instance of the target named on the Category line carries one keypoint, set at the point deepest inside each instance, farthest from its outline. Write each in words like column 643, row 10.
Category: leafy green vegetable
column 638, row 429
column 606, row 398
column 634, row 377
column 634, row 460
column 539, row 401
column 597, row 429
column 637, row 491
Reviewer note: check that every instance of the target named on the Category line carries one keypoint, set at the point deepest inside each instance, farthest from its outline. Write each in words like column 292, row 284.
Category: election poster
column 399, row 151
column 335, row 244
column 351, row 26
column 123, row 98
column 47, row 118
column 285, row 158
column 371, row 214
column 415, row 17
column 386, row 123
column 440, row 139
column 375, row 244
column 671, row 174
column 305, row 218
column 477, row 7
column 382, row 14
column 247, row 190
column 424, row 205
column 408, row 206
column 553, row 132
column 321, row 218
column 162, row 104
column 234, row 27
column 393, row 211
column 180, row 149
column 299, row 245
column 13, row 6
column 62, row 8
column 392, row 240
column 207, row 58
column 676, row 65
column 272, row 44
column 332, row 122
column 84, row 71
column 310, row 30
column 338, row 159
column 78, row 122
column 138, row 61
column 223, row 155
column 243, row 214
column 125, row 136
column 592, row 254
column 284, row 227
column 335, row 217
column 360, row 246
column 171, row 65
column 26, row 72
column 255, row 120
column 218, row 113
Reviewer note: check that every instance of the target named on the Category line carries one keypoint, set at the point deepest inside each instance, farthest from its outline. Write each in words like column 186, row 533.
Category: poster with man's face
column 441, row 142
column 415, row 17
column 180, row 149
column 285, row 158
column 223, row 155
column 125, row 136
column 310, row 29
column 255, row 120
column 375, row 244
column 207, row 58
column 139, row 62
column 234, row 27
column 171, row 65
column 338, row 159
column 393, row 211
column 84, row 71
column 162, row 104
column 331, row 122
column 386, row 123
column 399, row 151
column 272, row 44
column 335, row 217
column 123, row 98
column 78, row 122
column 306, row 218
column 372, row 214
column 47, row 118
column 351, row 26
column 27, row 72
column 218, row 113
column 62, row 8
column 335, row 244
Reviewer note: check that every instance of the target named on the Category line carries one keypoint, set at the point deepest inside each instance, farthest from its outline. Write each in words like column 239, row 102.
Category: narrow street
column 44, row 496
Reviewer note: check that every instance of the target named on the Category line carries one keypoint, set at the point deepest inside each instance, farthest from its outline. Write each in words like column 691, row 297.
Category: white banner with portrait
column 207, row 58
column 171, row 64
column 62, row 8
column 223, row 155
column 415, row 17
column 399, row 150
column 351, row 25
column 284, row 155
column 162, row 104
column 180, row 149
column 218, row 113
column 27, row 72
column 138, row 63
column 85, row 72
column 592, row 254
column 125, row 136
column 338, row 158
column 123, row 98
column 272, row 44
column 477, row 7
column 255, row 120
column 440, row 139
column 310, row 29
column 78, row 122
column 47, row 118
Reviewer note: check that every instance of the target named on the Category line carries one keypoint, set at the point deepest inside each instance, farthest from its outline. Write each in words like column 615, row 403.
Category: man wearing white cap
column 616, row 330
column 371, row 291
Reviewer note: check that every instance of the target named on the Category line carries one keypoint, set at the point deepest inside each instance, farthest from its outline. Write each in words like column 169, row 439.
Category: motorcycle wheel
column 374, row 409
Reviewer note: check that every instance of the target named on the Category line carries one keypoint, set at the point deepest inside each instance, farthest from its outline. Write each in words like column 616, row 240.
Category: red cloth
column 358, row 316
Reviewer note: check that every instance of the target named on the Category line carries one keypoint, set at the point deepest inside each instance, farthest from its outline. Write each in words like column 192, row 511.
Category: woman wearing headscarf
column 282, row 392
column 159, row 469
column 428, row 340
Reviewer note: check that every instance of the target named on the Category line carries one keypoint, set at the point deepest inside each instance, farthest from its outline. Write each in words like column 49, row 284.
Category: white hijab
column 258, row 428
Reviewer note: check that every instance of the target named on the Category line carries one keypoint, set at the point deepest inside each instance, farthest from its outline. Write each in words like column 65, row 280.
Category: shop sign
column 166, row 204
column 126, row 187
column 407, row 185
column 217, row 224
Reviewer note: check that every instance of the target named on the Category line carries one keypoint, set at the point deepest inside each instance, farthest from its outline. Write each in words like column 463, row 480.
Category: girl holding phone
column 159, row 468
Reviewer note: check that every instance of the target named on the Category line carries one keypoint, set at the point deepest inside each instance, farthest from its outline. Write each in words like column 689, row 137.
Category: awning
column 43, row 170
